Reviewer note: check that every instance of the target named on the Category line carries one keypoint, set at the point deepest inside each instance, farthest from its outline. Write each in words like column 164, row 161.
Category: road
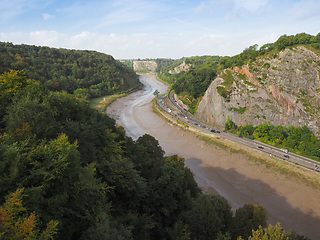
column 173, row 108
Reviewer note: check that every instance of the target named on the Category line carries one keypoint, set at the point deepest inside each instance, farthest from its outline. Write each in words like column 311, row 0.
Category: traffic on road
column 169, row 105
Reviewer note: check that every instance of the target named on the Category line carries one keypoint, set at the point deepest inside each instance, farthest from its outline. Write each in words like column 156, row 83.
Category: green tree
column 261, row 132
column 209, row 216
column 15, row 223
column 230, row 125
column 271, row 233
column 248, row 218
column 11, row 83
column 283, row 42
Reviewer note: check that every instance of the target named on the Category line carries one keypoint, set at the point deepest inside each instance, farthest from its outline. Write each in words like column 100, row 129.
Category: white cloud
column 249, row 5
column 39, row 38
column 47, row 16
column 144, row 45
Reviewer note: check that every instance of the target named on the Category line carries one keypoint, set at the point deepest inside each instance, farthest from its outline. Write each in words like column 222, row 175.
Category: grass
column 101, row 103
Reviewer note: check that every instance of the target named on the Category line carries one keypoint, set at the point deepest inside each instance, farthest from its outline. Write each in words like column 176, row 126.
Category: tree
column 11, row 83
column 283, row 42
column 166, row 198
column 152, row 145
column 209, row 216
column 229, row 125
column 248, row 218
column 156, row 93
column 261, row 132
column 15, row 223
column 270, row 233
column 246, row 131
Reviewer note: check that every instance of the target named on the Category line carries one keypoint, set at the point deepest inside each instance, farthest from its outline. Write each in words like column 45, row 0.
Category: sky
column 132, row 29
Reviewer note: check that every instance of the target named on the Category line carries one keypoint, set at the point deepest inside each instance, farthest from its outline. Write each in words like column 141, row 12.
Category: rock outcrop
column 144, row 66
column 183, row 67
column 282, row 90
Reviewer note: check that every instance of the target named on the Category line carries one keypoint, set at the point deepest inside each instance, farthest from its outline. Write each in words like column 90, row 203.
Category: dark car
column 240, row 136
column 286, row 156
column 217, row 131
column 261, row 147
column 213, row 130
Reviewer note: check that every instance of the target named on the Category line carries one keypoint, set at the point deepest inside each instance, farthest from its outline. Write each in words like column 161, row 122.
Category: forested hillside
column 84, row 73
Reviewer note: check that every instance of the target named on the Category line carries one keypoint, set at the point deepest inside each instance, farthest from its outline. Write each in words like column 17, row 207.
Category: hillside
column 84, row 73
column 282, row 89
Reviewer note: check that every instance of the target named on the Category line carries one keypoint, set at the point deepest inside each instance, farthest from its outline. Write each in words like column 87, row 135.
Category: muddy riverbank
column 217, row 170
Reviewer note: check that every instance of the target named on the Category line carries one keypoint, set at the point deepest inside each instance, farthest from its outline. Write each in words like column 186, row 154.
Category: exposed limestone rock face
column 186, row 107
column 284, row 90
column 183, row 67
column 146, row 66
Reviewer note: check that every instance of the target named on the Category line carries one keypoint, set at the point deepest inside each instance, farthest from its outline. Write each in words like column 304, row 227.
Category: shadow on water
column 238, row 189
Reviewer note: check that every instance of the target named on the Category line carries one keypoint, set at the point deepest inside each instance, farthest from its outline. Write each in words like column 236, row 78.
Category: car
column 224, row 131
column 217, row 131
column 213, row 130
column 188, row 121
column 260, row 147
column 286, row 156
column 240, row 136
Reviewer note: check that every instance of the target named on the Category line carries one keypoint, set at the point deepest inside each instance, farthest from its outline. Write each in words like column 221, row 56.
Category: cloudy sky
column 129, row 29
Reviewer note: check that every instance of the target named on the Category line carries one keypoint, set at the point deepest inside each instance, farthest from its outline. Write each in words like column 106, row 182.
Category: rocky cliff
column 283, row 89
column 144, row 66
column 183, row 67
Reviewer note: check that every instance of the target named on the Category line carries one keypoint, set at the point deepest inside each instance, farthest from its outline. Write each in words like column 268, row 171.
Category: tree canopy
column 84, row 73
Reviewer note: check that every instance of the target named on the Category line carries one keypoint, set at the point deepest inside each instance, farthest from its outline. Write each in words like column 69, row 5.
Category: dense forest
column 85, row 73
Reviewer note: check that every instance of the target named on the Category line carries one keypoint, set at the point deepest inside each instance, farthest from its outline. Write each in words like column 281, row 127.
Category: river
column 216, row 170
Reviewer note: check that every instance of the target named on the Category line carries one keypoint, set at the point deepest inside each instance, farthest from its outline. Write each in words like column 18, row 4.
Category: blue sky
column 129, row 29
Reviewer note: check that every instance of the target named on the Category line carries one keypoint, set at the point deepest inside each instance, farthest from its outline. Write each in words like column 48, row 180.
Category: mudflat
column 218, row 170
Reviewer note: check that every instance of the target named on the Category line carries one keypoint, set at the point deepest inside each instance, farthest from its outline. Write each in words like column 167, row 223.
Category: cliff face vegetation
column 281, row 89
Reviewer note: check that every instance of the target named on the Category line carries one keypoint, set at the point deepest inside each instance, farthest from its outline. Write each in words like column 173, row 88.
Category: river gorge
column 219, row 170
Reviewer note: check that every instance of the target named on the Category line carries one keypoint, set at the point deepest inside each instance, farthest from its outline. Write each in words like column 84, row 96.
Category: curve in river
column 232, row 175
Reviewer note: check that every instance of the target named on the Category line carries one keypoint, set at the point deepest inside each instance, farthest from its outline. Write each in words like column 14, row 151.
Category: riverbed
column 219, row 171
